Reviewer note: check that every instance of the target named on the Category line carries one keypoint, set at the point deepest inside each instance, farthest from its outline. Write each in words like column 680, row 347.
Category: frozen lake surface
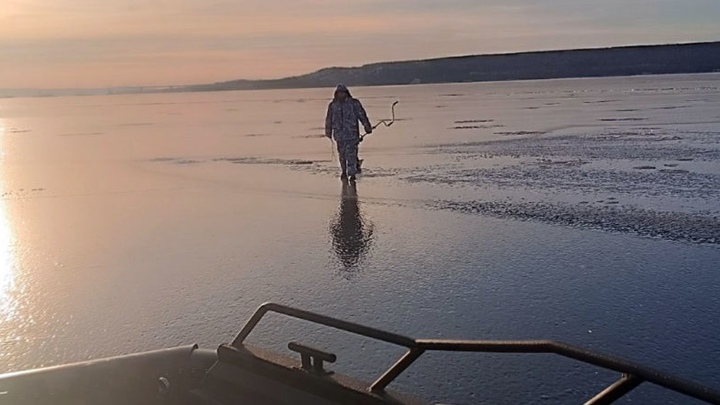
column 585, row 211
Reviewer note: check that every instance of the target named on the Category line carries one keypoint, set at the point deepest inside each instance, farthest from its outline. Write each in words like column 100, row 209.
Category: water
column 578, row 210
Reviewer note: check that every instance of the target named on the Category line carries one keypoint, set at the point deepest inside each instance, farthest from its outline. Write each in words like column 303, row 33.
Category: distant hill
column 599, row 62
column 616, row 61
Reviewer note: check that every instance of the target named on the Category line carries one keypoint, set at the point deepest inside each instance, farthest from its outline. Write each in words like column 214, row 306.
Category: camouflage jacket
column 342, row 119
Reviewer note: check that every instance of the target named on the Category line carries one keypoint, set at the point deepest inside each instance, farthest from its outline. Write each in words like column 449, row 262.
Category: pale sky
column 102, row 43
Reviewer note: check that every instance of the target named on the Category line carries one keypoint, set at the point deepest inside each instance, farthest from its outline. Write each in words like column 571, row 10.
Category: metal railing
column 632, row 374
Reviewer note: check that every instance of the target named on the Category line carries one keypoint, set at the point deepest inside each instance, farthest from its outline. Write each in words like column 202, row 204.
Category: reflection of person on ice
column 352, row 232
column 341, row 123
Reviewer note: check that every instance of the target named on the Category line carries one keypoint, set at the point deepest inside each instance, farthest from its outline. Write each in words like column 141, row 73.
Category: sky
column 104, row 43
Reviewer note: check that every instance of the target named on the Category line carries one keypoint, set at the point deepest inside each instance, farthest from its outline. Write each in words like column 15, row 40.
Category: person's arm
column 362, row 115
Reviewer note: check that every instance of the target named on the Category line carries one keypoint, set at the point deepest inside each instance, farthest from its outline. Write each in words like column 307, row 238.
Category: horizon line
column 160, row 86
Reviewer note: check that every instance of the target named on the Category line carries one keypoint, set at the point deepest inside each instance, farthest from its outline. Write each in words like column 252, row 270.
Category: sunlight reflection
column 2, row 148
column 7, row 257
column 7, row 265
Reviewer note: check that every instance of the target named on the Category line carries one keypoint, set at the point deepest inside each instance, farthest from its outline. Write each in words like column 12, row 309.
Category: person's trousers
column 348, row 151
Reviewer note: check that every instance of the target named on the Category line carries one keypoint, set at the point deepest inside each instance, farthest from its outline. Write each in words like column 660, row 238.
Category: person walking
column 341, row 124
